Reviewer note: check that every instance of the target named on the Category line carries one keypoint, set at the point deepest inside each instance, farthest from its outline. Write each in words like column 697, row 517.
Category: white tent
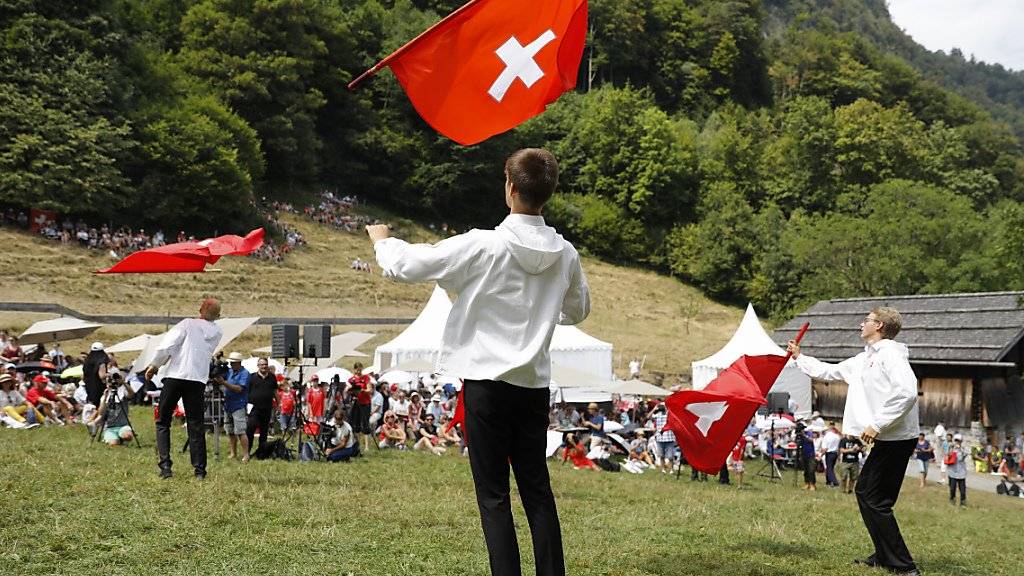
column 570, row 346
column 136, row 344
column 751, row 339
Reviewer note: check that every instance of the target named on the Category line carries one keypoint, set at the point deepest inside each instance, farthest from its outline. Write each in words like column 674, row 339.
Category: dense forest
column 778, row 153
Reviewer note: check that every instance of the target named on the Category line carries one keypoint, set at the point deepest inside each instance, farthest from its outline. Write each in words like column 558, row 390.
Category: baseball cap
column 957, row 437
column 40, row 379
column 9, row 365
column 96, row 346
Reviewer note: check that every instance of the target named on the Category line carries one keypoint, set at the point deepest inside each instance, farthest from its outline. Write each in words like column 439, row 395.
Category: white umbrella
column 612, row 426
column 396, row 377
column 774, row 421
column 328, row 374
column 136, row 344
column 250, row 365
column 57, row 330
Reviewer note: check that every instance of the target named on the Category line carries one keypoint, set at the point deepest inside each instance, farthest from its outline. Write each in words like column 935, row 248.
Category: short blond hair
column 890, row 319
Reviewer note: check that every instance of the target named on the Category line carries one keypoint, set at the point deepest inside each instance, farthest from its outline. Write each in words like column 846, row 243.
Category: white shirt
column 341, row 431
column 830, row 442
column 882, row 389
column 189, row 346
column 513, row 285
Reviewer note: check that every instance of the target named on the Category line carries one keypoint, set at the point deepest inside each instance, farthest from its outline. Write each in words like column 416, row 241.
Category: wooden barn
column 966, row 350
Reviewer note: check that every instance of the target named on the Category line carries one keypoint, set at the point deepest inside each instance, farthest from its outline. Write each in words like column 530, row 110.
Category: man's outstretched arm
column 416, row 262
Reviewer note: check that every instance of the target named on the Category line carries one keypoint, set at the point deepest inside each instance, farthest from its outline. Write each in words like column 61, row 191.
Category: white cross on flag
column 491, row 65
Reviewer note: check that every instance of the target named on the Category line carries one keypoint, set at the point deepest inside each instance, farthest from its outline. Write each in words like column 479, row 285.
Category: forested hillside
column 777, row 153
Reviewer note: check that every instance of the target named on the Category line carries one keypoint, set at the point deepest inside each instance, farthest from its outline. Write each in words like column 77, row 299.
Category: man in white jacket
column 881, row 408
column 512, row 284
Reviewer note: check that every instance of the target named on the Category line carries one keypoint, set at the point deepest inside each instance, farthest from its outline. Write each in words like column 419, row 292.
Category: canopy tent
column 231, row 328
column 636, row 387
column 417, row 365
column 566, row 377
column 136, row 344
column 57, row 330
column 570, row 346
column 751, row 339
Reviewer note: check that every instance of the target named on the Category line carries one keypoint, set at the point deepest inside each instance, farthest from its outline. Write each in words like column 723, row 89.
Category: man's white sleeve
column 902, row 392
column 576, row 304
column 169, row 344
column 820, row 370
column 421, row 262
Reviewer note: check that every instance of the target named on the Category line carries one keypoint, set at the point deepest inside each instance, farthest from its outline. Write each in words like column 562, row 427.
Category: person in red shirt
column 360, row 419
column 315, row 400
column 735, row 460
column 285, row 406
column 46, row 401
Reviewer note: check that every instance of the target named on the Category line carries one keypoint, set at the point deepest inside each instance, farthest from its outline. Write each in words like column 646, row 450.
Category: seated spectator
column 14, row 408
column 392, row 432
column 12, row 352
column 47, row 402
column 427, row 437
column 345, row 445
column 578, row 454
column 638, row 450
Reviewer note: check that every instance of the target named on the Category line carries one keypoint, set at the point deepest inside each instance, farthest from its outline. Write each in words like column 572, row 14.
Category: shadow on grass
column 677, row 563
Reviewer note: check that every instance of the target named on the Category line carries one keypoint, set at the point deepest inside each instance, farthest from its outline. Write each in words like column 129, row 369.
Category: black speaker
column 778, row 401
column 284, row 341
column 316, row 341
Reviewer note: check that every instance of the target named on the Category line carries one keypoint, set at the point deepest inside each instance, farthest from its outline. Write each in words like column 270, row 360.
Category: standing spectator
column 805, row 445
column 12, row 352
column 378, row 405
column 735, row 461
column 923, row 453
column 236, row 399
column 94, row 372
column 262, row 390
column 189, row 348
column 315, row 397
column 850, row 448
column 944, row 447
column 956, row 469
column 830, row 447
column 286, row 406
column 361, row 407
column 1010, row 455
column 666, row 439
column 634, row 368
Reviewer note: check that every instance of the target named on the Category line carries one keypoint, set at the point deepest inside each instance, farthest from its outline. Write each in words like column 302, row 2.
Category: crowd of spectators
column 121, row 241
column 338, row 213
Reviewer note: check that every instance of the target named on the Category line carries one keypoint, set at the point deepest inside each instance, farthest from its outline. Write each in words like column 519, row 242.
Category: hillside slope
column 638, row 311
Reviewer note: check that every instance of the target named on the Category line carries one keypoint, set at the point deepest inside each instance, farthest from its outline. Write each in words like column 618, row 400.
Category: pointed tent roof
column 750, row 338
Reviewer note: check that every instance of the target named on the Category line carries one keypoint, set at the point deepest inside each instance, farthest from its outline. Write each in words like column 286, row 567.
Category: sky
column 990, row 29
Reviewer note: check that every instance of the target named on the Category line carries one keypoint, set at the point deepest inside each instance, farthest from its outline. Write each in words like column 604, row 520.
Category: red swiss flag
column 707, row 423
column 491, row 65
column 186, row 256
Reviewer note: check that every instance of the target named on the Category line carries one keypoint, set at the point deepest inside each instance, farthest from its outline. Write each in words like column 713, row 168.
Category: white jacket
column 513, row 284
column 882, row 389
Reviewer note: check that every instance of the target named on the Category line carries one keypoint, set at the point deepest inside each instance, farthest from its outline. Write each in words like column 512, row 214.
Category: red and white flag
column 186, row 256
column 707, row 423
column 491, row 65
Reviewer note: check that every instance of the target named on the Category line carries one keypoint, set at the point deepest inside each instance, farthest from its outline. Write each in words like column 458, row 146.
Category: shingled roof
column 946, row 328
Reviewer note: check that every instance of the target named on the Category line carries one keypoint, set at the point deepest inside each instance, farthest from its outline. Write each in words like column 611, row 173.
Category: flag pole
column 379, row 65
column 799, row 336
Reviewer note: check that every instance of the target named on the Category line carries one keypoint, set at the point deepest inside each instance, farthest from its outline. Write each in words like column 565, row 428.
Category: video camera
column 218, row 370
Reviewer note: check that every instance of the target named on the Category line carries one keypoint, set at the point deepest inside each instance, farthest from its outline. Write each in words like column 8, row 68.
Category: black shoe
column 165, row 473
column 869, row 561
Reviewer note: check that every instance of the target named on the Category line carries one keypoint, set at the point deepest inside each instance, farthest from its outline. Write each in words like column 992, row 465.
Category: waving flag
column 491, row 65
column 186, row 256
column 707, row 423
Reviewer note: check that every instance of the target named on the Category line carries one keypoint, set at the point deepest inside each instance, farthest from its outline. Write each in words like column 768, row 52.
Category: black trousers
column 830, row 468
column 878, row 487
column 191, row 394
column 508, row 424
column 955, row 483
column 259, row 417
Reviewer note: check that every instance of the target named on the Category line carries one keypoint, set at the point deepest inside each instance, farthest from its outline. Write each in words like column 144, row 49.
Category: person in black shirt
column 94, row 373
column 848, row 468
column 262, row 391
column 427, row 438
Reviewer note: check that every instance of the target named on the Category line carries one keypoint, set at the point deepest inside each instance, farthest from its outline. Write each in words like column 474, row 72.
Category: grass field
column 79, row 509
column 640, row 312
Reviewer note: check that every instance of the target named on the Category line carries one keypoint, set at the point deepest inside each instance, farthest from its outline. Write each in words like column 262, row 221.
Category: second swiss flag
column 492, row 64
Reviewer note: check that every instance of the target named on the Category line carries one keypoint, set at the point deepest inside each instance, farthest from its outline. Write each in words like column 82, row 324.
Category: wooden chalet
column 966, row 350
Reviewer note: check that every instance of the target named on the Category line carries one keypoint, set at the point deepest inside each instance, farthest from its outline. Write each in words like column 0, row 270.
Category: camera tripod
column 110, row 400
column 300, row 418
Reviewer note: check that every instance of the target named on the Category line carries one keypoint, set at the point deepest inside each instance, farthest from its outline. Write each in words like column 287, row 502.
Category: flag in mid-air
column 707, row 423
column 186, row 256
column 491, row 65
